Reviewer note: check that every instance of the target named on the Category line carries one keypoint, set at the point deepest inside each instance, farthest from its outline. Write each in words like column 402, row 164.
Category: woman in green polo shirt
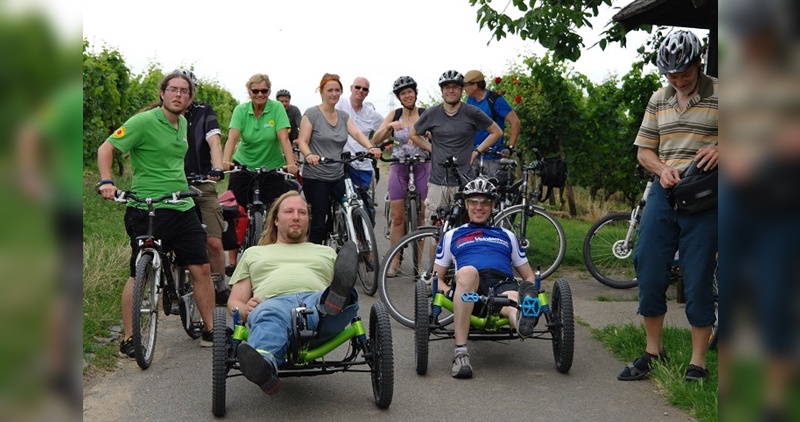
column 262, row 127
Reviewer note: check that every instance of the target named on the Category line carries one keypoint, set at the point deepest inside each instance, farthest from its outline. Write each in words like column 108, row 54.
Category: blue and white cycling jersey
column 483, row 247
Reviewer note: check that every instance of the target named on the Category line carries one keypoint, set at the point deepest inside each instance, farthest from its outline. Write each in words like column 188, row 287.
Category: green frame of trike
column 559, row 318
column 374, row 346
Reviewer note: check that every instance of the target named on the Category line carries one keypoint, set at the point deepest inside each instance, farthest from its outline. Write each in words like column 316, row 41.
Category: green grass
column 699, row 399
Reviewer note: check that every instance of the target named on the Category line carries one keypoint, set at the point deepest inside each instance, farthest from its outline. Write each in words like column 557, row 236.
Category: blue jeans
column 662, row 232
column 270, row 323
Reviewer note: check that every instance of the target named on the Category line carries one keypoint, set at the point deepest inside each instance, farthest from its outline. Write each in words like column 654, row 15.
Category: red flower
column 497, row 80
column 517, row 99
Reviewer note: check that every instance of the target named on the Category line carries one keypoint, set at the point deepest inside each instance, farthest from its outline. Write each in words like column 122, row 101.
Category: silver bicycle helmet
column 188, row 73
column 480, row 186
column 451, row 76
column 402, row 83
column 679, row 50
column 283, row 93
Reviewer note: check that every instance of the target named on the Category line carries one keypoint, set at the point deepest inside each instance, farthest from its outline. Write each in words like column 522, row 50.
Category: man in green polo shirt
column 156, row 141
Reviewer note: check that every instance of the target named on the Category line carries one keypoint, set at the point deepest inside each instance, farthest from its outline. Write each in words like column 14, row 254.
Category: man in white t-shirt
column 368, row 121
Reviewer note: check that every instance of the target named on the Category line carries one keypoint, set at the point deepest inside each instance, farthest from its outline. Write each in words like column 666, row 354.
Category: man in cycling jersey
column 204, row 158
column 285, row 97
column 283, row 272
column 485, row 257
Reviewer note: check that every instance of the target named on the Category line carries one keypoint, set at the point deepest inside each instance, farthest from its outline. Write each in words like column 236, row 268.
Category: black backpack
column 492, row 97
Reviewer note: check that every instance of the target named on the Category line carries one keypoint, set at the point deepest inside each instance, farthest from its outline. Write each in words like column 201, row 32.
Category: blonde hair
column 258, row 78
column 270, row 234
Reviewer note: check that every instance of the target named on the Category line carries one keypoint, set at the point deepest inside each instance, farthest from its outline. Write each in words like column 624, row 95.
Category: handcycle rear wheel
column 367, row 251
column 547, row 244
column 605, row 254
column 219, row 369
column 145, row 311
column 422, row 312
column 562, row 326
column 398, row 292
column 382, row 362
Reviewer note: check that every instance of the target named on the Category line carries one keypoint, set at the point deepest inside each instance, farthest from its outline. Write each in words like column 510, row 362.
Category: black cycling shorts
column 180, row 231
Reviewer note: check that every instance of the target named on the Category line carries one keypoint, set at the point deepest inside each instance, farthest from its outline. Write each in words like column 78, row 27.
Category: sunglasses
column 363, row 88
column 259, row 91
column 475, row 201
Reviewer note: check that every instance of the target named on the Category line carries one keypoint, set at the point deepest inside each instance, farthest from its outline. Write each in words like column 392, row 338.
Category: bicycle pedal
column 530, row 307
column 470, row 297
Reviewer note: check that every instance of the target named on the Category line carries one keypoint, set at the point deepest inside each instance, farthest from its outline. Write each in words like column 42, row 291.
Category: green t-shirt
column 157, row 151
column 281, row 269
column 61, row 123
column 259, row 144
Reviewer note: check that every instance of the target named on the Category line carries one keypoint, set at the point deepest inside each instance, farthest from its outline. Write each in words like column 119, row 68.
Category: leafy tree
column 553, row 23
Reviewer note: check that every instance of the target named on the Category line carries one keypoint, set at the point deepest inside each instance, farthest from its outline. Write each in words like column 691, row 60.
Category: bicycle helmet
column 188, row 73
column 679, row 50
column 283, row 93
column 480, row 186
column 451, row 76
column 402, row 83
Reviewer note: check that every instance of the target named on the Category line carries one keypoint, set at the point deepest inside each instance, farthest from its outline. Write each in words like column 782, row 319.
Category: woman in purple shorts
column 398, row 123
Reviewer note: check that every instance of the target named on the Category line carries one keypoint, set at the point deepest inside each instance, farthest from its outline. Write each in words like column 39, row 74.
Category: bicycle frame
column 636, row 216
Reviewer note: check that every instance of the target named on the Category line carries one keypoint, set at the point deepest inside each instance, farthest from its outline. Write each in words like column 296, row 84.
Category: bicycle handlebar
column 409, row 159
column 172, row 198
column 260, row 170
column 196, row 178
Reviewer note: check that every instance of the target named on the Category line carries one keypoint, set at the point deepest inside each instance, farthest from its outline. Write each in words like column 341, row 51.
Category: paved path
column 513, row 380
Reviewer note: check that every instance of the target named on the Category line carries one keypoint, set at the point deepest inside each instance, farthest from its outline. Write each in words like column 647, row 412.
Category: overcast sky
column 295, row 42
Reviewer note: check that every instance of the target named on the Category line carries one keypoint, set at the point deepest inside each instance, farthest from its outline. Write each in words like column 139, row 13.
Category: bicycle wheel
column 412, row 222
column 367, row 251
column 258, row 228
column 605, row 255
column 562, row 326
column 422, row 308
column 145, row 311
column 219, row 367
column 382, row 363
column 547, row 243
column 190, row 314
column 398, row 292
column 387, row 215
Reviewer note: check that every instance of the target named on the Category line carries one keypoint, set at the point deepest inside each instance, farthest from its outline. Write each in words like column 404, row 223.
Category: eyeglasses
column 452, row 87
column 174, row 90
column 363, row 88
column 482, row 202
column 259, row 91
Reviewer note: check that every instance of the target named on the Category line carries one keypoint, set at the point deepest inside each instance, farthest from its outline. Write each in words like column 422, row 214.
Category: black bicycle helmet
column 283, row 93
column 188, row 73
column 480, row 186
column 679, row 50
column 451, row 76
column 402, row 83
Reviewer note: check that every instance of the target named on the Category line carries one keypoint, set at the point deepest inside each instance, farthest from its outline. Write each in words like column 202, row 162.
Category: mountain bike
column 412, row 199
column 156, row 273
column 351, row 222
column 397, row 292
column 256, row 209
column 530, row 221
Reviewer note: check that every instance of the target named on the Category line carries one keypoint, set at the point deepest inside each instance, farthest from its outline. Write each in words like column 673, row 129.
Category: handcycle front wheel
column 398, row 291
column 606, row 254
column 367, row 251
column 422, row 308
column 219, row 368
column 382, row 362
column 562, row 326
column 145, row 310
column 547, row 242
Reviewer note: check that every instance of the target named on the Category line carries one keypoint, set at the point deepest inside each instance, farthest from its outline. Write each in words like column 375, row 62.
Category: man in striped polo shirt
column 679, row 128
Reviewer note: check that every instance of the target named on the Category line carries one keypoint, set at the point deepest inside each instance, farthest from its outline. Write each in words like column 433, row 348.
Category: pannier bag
column 554, row 175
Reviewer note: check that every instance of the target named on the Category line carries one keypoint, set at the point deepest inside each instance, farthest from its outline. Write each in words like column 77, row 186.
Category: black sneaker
column 345, row 271
column 526, row 323
column 257, row 369
column 640, row 368
column 207, row 338
column 695, row 373
column 126, row 349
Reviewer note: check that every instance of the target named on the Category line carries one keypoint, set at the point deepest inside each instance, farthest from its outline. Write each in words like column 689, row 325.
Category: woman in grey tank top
column 323, row 133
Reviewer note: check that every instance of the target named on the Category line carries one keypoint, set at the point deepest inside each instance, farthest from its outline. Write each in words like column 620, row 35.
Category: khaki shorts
column 210, row 210
column 438, row 196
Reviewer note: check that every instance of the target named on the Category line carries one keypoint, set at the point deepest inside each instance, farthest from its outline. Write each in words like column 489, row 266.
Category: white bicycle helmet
column 402, row 83
column 480, row 186
column 188, row 73
column 451, row 76
column 679, row 50
column 283, row 93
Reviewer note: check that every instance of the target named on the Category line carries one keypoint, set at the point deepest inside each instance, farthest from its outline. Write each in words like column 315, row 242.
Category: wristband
column 305, row 157
column 476, row 150
column 104, row 182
